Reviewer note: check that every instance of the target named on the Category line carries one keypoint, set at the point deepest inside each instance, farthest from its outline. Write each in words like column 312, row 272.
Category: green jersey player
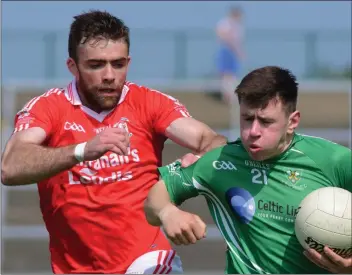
column 253, row 186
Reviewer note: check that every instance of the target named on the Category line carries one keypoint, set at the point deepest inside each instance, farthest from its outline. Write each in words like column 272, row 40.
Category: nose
column 255, row 130
column 109, row 75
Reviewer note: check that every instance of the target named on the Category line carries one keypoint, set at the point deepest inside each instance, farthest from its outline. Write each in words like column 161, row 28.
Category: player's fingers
column 326, row 261
column 116, row 130
column 313, row 260
column 199, row 228
column 189, row 159
column 124, row 138
column 321, row 260
column 124, row 134
column 123, row 146
column 112, row 137
column 175, row 240
column 337, row 259
column 189, row 235
column 182, row 238
column 113, row 148
column 174, row 233
column 118, row 134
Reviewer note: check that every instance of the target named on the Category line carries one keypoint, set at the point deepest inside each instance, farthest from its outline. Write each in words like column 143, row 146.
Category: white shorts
column 157, row 262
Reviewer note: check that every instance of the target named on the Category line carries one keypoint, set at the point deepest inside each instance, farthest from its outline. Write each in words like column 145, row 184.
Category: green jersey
column 254, row 203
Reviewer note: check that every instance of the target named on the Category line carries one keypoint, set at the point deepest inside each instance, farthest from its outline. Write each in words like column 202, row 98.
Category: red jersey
column 94, row 211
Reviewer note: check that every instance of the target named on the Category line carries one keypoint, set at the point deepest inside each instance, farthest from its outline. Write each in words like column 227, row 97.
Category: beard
column 100, row 98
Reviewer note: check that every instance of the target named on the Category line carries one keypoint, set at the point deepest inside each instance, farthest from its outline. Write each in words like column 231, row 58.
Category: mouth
column 254, row 148
column 108, row 92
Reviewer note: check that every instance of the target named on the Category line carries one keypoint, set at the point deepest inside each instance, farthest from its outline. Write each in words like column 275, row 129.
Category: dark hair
column 236, row 10
column 95, row 24
column 264, row 84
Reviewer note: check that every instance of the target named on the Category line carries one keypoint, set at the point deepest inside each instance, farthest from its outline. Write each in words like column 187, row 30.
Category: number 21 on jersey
column 259, row 176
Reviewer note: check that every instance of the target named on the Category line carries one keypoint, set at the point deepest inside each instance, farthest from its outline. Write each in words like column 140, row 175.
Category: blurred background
column 174, row 48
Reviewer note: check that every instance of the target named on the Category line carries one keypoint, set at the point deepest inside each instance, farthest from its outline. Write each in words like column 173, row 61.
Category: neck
column 285, row 144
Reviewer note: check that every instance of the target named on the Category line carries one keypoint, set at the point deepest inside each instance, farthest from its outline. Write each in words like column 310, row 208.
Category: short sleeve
column 224, row 25
column 343, row 170
column 165, row 110
column 178, row 182
column 38, row 112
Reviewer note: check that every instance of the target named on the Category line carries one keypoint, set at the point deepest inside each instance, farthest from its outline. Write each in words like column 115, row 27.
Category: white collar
column 73, row 96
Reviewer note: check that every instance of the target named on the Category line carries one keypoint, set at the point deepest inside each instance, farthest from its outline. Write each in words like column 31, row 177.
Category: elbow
column 8, row 178
column 5, row 178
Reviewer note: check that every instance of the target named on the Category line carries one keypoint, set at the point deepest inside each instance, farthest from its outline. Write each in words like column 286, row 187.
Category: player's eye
column 118, row 65
column 266, row 122
column 95, row 65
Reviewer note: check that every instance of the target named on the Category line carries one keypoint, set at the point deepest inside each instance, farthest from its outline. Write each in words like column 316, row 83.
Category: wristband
column 79, row 151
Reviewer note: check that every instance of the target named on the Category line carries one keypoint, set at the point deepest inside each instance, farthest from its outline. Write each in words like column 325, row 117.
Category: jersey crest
column 293, row 176
column 122, row 124
column 293, row 179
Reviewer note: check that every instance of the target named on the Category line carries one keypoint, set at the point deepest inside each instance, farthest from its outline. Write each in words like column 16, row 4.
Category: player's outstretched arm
column 179, row 226
column 194, row 135
column 25, row 160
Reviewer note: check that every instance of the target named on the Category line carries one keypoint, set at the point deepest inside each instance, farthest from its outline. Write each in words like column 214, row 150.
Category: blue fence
column 179, row 54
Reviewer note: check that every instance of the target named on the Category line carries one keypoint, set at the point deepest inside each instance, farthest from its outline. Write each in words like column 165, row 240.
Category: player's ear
column 72, row 67
column 293, row 122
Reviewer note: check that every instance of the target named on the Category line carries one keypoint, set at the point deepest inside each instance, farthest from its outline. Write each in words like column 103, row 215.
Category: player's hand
column 330, row 261
column 111, row 139
column 182, row 227
column 189, row 159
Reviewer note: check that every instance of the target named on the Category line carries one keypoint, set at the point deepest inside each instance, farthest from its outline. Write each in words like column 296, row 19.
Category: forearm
column 194, row 135
column 31, row 163
column 210, row 140
column 157, row 203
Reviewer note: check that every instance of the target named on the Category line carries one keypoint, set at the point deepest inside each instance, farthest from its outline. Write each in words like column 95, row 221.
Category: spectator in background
column 229, row 31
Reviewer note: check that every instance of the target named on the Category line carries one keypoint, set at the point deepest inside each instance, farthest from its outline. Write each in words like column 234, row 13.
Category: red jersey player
column 93, row 149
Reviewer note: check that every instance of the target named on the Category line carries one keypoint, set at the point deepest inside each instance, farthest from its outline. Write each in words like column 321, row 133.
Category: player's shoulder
column 53, row 97
column 140, row 92
column 135, row 90
column 317, row 147
column 332, row 159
